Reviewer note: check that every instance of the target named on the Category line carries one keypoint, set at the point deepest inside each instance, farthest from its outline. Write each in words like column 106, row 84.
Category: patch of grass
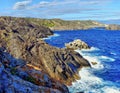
column 48, row 24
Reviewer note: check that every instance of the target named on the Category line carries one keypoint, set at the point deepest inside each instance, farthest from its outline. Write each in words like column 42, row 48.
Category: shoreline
column 26, row 46
column 23, row 42
column 59, row 30
column 101, row 84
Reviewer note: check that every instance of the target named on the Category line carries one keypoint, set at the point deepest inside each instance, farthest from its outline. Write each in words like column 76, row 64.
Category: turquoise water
column 103, row 77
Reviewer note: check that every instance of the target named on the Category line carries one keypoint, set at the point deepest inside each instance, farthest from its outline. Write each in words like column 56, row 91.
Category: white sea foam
column 111, row 90
column 95, row 58
column 106, row 58
column 113, row 53
column 92, row 58
column 89, row 83
column 86, row 83
column 55, row 35
column 91, row 49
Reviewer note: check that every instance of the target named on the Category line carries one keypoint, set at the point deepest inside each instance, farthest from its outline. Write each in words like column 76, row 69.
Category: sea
column 104, row 77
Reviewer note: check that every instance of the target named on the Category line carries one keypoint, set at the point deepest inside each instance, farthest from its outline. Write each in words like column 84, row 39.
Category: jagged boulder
column 77, row 44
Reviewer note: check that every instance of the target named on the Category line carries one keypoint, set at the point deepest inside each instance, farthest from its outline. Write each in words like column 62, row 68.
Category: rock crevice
column 77, row 44
column 22, row 40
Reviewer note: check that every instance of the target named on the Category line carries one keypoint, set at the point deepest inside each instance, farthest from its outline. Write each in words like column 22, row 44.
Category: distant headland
column 59, row 24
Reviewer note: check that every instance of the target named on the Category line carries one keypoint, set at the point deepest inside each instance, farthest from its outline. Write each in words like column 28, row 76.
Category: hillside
column 58, row 24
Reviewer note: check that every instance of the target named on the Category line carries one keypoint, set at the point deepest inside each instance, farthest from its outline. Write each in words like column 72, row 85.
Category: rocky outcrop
column 22, row 40
column 18, row 77
column 77, row 44
column 113, row 27
column 23, row 27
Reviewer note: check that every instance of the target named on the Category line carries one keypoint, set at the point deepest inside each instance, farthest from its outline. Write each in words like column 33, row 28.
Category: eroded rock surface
column 77, row 44
column 23, row 78
column 22, row 40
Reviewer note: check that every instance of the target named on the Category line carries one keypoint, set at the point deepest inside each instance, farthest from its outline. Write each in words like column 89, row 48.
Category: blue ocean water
column 103, row 77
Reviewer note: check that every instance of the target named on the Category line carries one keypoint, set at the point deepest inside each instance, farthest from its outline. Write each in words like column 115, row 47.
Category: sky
column 63, row 9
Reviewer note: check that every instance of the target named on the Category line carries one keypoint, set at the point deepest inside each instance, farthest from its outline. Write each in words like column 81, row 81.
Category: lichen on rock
column 77, row 44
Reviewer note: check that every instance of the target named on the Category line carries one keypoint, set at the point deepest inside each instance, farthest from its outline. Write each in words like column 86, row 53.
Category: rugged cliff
column 22, row 40
column 18, row 77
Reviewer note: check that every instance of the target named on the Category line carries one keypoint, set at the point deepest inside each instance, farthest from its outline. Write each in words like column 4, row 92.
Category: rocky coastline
column 70, row 25
column 31, row 63
column 113, row 27
column 61, row 25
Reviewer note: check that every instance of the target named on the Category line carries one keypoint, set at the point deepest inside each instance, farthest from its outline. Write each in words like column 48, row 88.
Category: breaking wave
column 55, row 35
column 89, row 83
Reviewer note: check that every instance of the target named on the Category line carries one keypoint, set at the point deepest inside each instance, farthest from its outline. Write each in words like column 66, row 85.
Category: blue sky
column 64, row 9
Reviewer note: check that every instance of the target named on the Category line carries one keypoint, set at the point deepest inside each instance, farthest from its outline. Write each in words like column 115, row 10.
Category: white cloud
column 61, row 8
column 43, row 4
column 21, row 5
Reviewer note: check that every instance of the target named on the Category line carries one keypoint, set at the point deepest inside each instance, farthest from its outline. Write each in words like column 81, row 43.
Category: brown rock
column 94, row 63
column 26, row 79
column 22, row 40
column 113, row 27
column 77, row 44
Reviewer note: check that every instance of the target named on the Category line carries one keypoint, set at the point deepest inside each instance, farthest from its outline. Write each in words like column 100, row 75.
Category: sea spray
column 91, row 49
column 55, row 35
column 108, row 59
column 89, row 83
column 91, row 58
column 106, row 52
